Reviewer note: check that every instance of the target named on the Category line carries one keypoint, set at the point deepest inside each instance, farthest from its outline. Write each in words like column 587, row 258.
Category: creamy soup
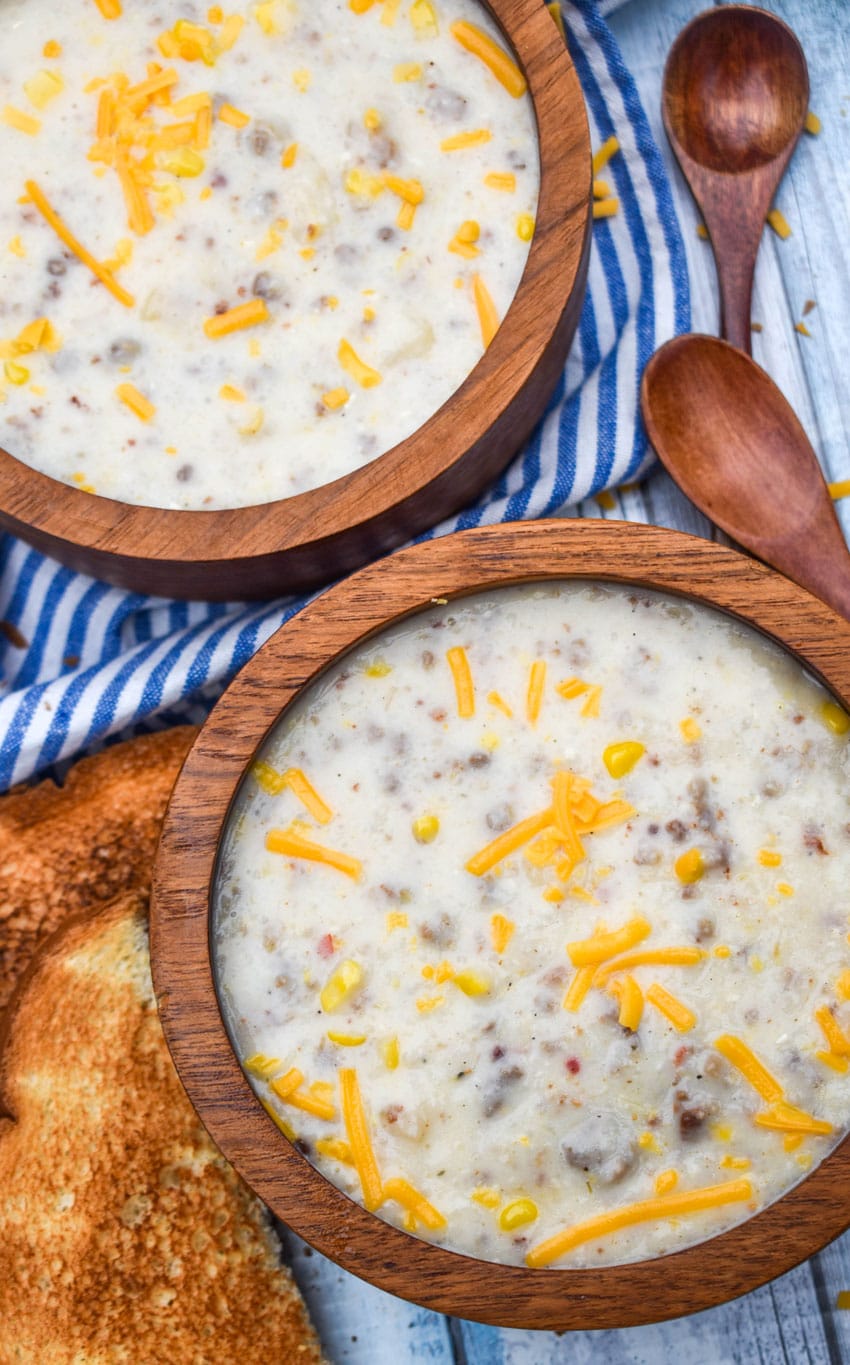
column 244, row 250
column 532, row 924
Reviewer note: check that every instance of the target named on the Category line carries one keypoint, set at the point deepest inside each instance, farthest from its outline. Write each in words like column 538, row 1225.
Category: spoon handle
column 735, row 222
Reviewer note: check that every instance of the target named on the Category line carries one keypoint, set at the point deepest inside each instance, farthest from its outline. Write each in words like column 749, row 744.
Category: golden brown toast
column 125, row 1237
column 63, row 849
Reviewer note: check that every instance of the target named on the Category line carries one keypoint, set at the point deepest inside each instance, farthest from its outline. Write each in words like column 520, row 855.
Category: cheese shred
column 458, row 662
column 647, row 1210
column 503, row 67
column 359, row 1141
column 65, row 235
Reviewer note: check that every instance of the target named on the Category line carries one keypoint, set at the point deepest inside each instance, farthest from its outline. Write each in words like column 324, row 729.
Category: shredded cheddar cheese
column 786, row 1118
column 737, row 1053
column 300, row 785
column 488, row 318
column 236, row 319
column 534, row 695
column 630, row 996
column 603, row 155
column 685, row 956
column 458, row 662
column 359, row 1141
column 65, row 235
column 667, row 1206
column 682, row 1018
column 360, row 372
column 603, row 946
column 839, row 1043
column 236, row 118
column 501, row 931
column 404, row 1193
column 504, row 181
column 458, row 142
column 135, row 401
column 503, row 67
column 505, row 844
column 294, row 845
column 777, row 220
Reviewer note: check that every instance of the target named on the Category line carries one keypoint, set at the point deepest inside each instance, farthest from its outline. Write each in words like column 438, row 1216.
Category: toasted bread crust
column 124, row 1234
column 63, row 849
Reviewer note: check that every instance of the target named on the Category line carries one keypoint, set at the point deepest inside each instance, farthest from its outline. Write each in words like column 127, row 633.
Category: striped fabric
column 82, row 663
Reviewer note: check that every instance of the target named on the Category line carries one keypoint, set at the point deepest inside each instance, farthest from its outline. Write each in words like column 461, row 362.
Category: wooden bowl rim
column 795, row 1226
column 108, row 527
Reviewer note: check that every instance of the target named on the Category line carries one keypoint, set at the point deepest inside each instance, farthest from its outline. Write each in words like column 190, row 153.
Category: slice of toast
column 125, row 1237
column 63, row 849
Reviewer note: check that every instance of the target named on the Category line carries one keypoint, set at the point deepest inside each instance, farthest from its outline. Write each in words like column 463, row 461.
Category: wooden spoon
column 735, row 97
column 733, row 444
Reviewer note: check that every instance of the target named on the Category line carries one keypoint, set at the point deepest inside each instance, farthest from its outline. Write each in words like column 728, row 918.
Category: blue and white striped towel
column 82, row 662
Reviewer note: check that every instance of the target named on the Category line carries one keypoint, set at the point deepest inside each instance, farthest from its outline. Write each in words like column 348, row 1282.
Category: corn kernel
column 835, row 717
column 44, row 87
column 378, row 669
column 183, row 161
column 620, row 758
column 261, row 1066
column 487, row 1198
column 345, row 980
column 768, row 857
column 666, row 1181
column 690, row 866
column 691, row 732
column 389, row 1052
column 842, row 986
column 525, row 227
column 407, row 71
column 336, row 398
column 424, row 19
column 16, row 374
column 517, row 1214
column 347, row 1039
column 472, row 983
column 425, row 829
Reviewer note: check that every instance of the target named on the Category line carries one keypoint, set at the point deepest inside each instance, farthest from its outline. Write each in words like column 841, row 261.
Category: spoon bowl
column 734, row 445
column 735, row 89
column 735, row 96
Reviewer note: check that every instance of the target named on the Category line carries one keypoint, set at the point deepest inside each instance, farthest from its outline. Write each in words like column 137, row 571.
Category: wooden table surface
column 794, row 1320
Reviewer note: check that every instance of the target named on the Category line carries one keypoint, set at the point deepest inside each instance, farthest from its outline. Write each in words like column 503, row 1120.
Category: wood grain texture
column 276, row 548
column 741, row 1259
column 732, row 442
column 735, row 94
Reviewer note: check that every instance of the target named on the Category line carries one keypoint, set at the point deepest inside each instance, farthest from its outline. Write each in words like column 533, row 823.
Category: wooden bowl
column 772, row 1241
column 290, row 544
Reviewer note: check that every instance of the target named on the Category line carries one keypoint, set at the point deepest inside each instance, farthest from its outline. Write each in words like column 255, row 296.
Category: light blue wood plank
column 361, row 1325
